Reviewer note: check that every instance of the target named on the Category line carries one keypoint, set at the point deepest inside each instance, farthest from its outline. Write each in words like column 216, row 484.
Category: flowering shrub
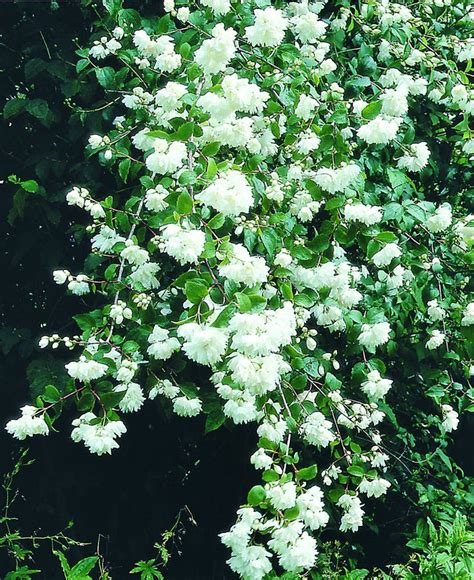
column 290, row 248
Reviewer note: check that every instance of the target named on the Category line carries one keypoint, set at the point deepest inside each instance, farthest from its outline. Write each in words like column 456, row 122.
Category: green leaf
column 105, row 76
column 111, row 400
column 13, row 107
column 38, row 108
column 286, row 290
column 82, row 568
column 51, row 394
column 386, row 237
column 185, row 131
column 356, row 471
column 124, row 169
column 211, row 149
column 307, row 473
column 187, row 178
column 86, row 402
column 270, row 475
column 444, row 458
column 244, row 302
column 33, row 67
column 372, row 110
column 64, row 563
column 81, row 64
column 214, row 420
column 216, row 222
column 184, row 204
column 270, row 240
column 225, row 315
column 335, row 202
column 256, row 495
column 195, row 291
column 320, row 243
column 30, row 185
column 304, row 300
column 112, row 6
column 211, row 171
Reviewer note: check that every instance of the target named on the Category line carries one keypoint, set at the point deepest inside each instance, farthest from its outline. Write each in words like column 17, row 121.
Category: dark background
column 165, row 466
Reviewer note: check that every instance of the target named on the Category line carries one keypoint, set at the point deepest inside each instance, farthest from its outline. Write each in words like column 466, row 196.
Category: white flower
column 118, row 32
column 244, row 268
column 282, row 496
column 96, row 141
column 416, row 159
column 79, row 286
column 259, row 375
column 229, row 194
column 215, row 53
column 184, row 245
column 379, row 130
column 335, row 180
column 468, row 147
column 436, row 340
column 126, row 371
column 77, row 196
column 374, row 487
column 161, row 345
column 134, row 254
column 440, row 220
column 30, row 423
column 133, row 399
column 143, row 141
column 394, row 102
column 435, row 312
column 155, row 198
column 305, row 108
column 168, row 97
column 450, row 418
column 119, row 312
column 185, row 407
column 296, row 549
column 468, row 315
column 263, row 333
column 311, row 508
column 309, row 142
column 273, row 431
column 374, row 335
column 166, row 388
column 366, row 214
column 86, row 370
column 308, row 28
column 99, row 438
column 375, row 386
column 250, row 562
column 183, row 14
column 218, row 6
column 384, row 256
column 145, row 275
column 241, row 408
column 167, row 157
column 261, row 460
column 203, row 344
column 316, row 430
column 353, row 513
column 268, row 29
column 60, row 276
column 283, row 258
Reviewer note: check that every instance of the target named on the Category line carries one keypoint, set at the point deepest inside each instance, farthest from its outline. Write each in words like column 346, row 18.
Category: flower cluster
column 287, row 231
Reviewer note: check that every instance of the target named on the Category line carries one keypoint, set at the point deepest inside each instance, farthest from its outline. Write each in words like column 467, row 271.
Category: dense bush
column 281, row 237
